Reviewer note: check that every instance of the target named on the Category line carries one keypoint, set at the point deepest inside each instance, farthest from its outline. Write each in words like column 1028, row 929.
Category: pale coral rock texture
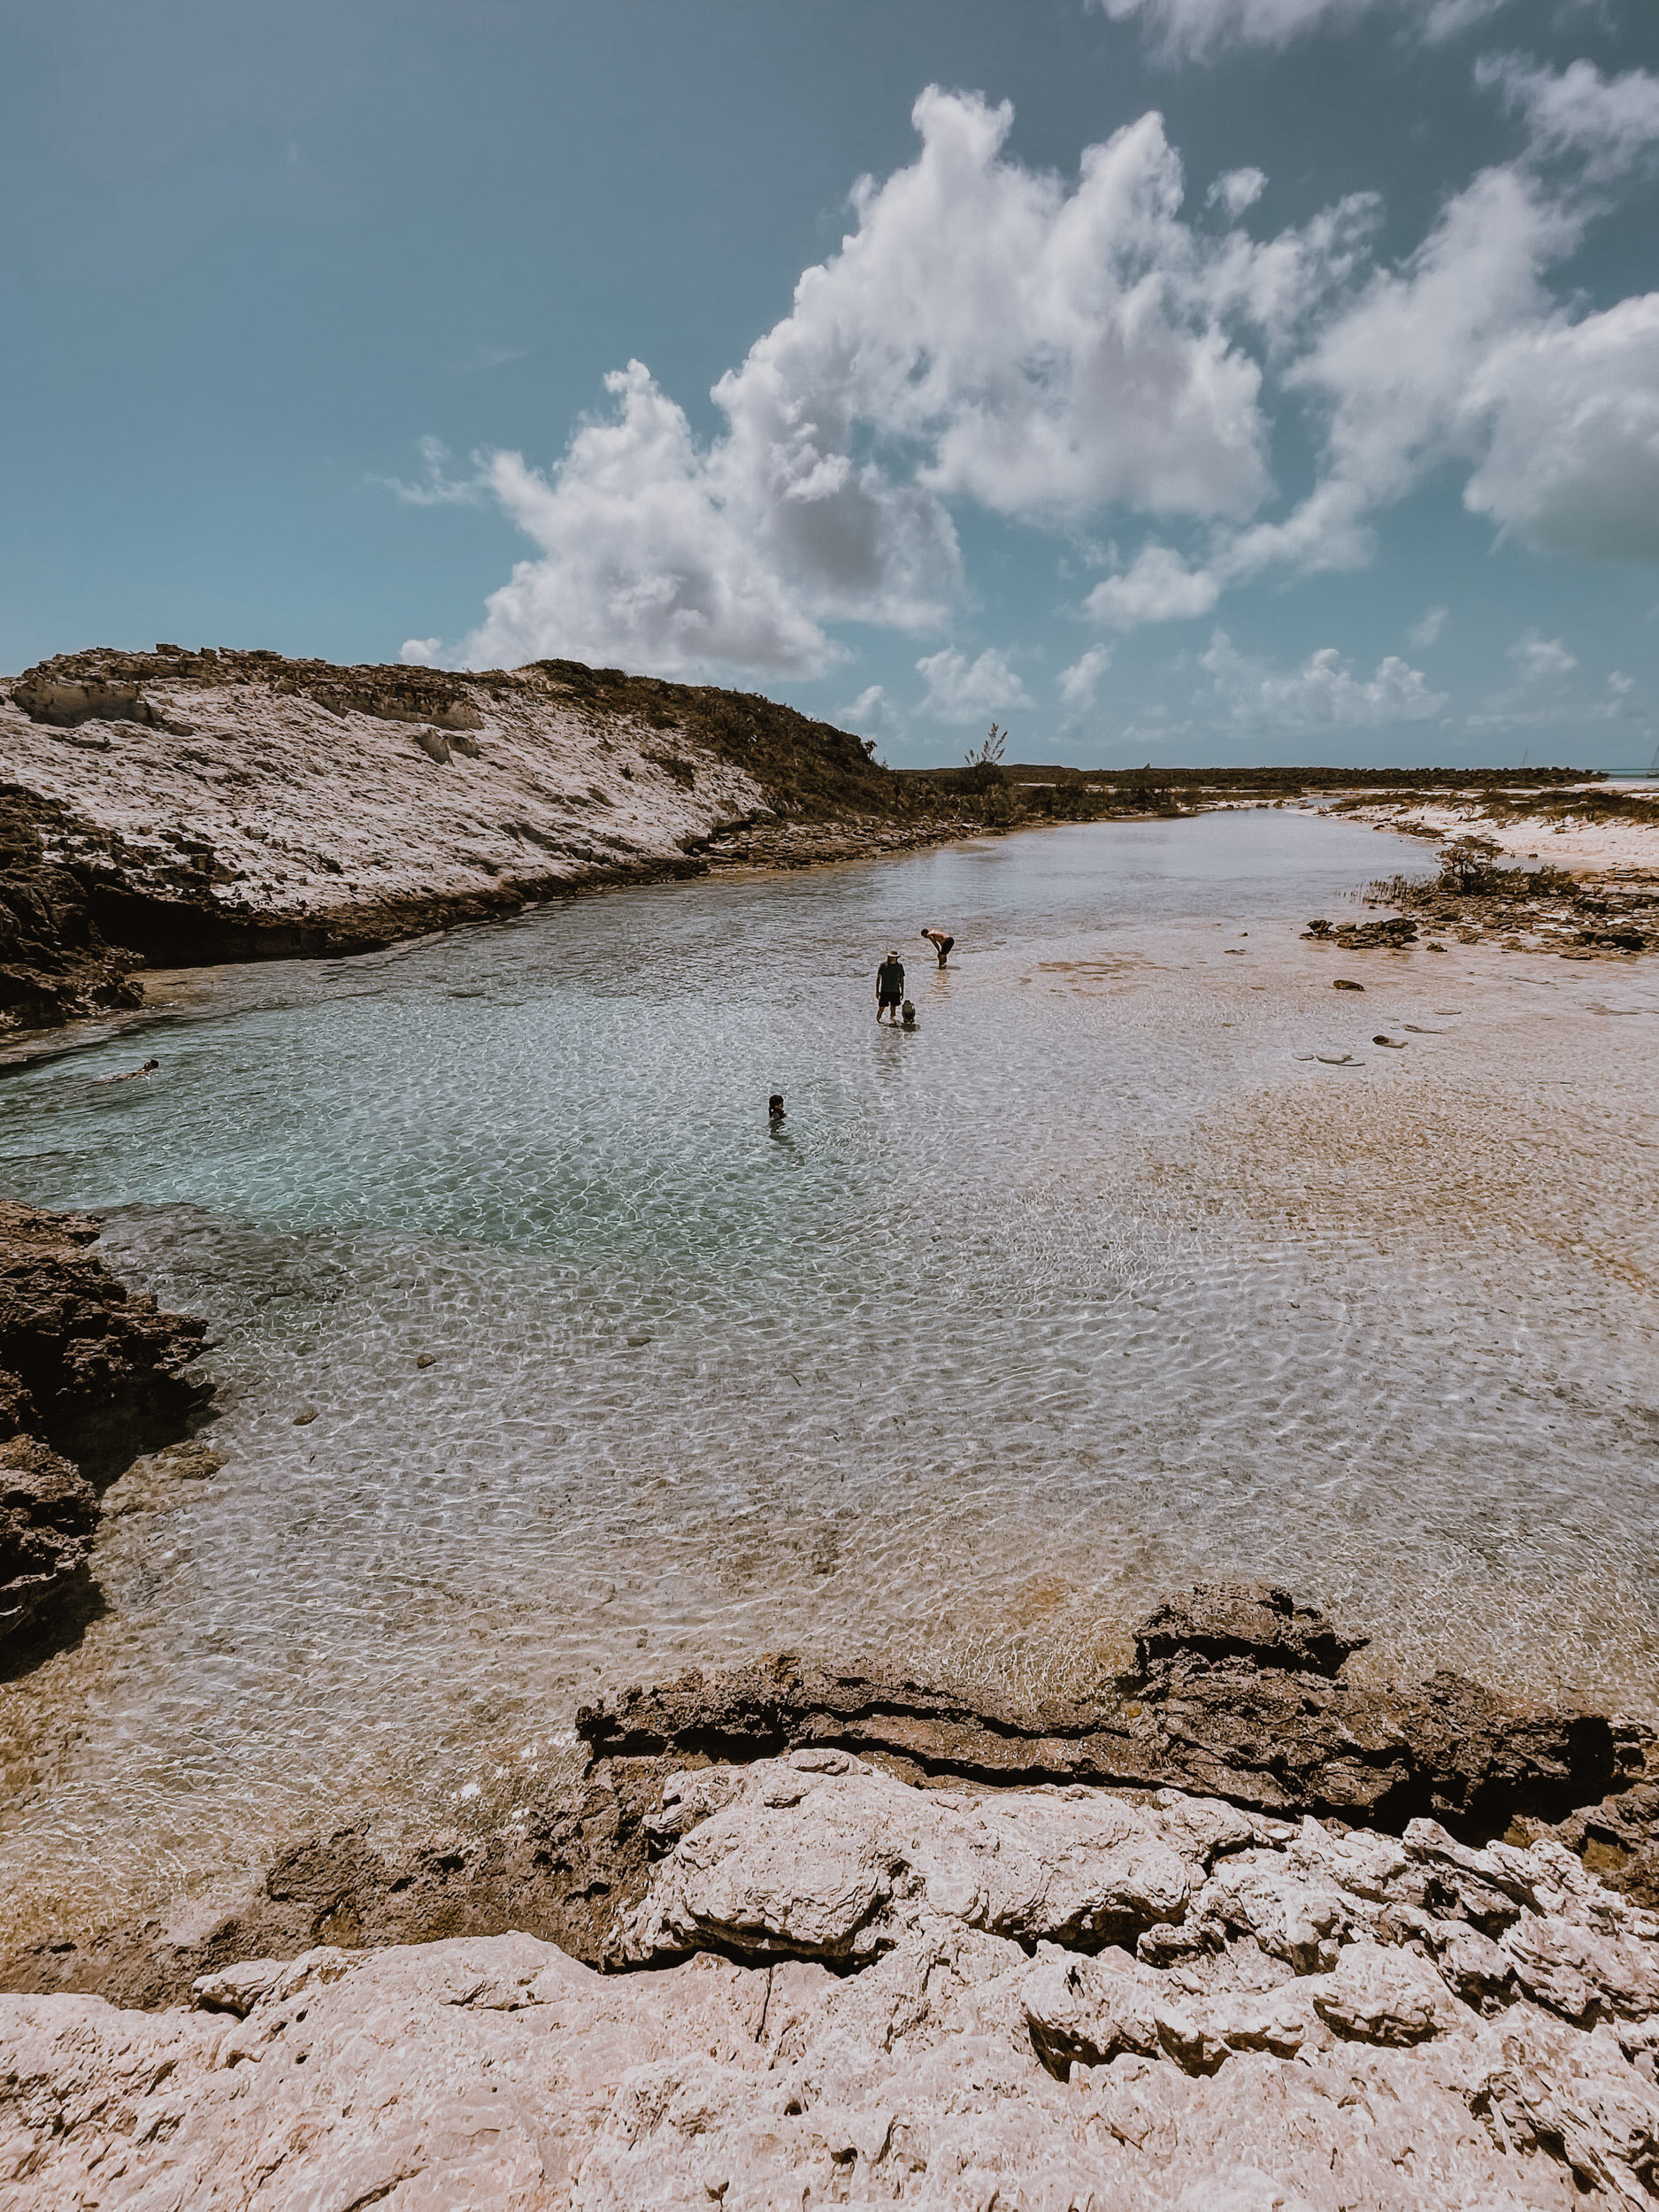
column 866, row 1992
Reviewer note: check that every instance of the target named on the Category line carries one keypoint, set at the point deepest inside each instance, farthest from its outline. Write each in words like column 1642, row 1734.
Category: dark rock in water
column 1618, row 1840
column 1396, row 931
column 1614, row 940
column 48, row 1513
column 1229, row 1622
column 1342, row 983
column 88, row 1374
column 101, row 1370
column 1238, row 1698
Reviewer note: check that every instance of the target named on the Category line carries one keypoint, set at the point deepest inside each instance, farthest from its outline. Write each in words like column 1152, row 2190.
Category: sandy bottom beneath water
column 1101, row 1282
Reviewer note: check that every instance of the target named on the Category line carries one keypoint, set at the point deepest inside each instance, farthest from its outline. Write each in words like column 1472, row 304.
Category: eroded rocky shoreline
column 898, row 1953
column 91, row 1375
column 179, row 808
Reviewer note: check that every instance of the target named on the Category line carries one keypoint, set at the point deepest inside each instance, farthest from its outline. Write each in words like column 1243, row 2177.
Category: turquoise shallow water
column 1094, row 1283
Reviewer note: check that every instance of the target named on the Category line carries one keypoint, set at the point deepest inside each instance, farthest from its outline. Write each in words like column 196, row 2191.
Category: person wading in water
column 940, row 943
column 889, row 987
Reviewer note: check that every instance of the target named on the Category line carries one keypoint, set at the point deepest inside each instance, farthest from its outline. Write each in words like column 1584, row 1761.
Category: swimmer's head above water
column 774, row 1106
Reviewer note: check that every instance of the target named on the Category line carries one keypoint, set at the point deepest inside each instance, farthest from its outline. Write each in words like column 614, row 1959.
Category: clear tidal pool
column 1096, row 1283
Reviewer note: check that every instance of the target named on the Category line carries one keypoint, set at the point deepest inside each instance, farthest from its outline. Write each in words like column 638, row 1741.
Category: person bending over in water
column 131, row 1074
column 889, row 987
column 940, row 941
column 909, row 1013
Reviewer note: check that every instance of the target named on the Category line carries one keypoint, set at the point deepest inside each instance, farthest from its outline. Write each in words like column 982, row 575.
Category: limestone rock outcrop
column 184, row 808
column 89, row 1374
column 867, row 1992
column 1232, row 1689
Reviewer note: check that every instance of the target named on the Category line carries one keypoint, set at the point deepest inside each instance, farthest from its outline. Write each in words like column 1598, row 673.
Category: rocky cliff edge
column 1042, row 1998
column 178, row 807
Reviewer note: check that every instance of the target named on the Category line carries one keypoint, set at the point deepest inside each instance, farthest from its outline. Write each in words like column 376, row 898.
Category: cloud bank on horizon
column 1113, row 353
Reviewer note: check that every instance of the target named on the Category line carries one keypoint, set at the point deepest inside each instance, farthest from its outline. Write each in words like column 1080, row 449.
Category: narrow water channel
column 1099, row 1282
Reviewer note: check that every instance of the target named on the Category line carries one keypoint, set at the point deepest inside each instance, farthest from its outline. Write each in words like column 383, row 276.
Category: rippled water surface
column 1096, row 1282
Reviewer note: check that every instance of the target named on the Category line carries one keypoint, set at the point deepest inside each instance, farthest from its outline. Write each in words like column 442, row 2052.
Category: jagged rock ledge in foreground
column 1236, row 1696
column 864, row 1991
column 90, row 1375
column 183, row 807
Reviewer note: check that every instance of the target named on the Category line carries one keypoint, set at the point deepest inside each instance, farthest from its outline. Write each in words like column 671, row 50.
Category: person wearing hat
column 889, row 987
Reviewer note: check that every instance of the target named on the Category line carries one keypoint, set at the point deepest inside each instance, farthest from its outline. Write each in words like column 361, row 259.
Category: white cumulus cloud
column 1537, row 658
column 1610, row 122
column 1571, row 416
column 986, row 333
column 1324, row 693
column 1080, row 683
column 1051, row 350
column 652, row 554
column 872, row 714
column 1462, row 355
column 1157, row 587
column 961, row 690
column 1236, row 191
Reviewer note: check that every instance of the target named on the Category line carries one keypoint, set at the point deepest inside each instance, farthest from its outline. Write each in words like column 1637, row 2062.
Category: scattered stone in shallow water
column 1342, row 983
column 1395, row 933
column 1395, row 1044
column 1227, row 1622
column 425, row 1359
column 305, row 1417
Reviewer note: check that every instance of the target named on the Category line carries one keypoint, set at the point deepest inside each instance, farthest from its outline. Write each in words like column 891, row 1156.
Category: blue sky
column 1173, row 380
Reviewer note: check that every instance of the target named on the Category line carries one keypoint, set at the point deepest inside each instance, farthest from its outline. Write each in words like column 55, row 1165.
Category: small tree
column 983, row 773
